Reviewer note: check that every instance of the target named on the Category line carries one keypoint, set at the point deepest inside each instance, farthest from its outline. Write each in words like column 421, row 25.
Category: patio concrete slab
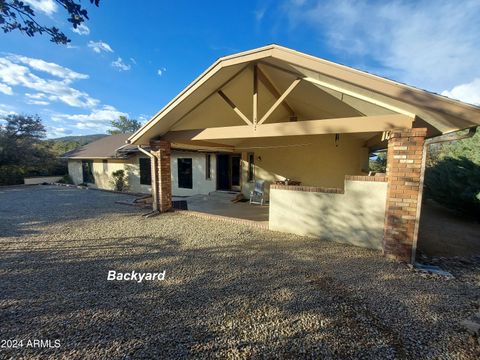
column 220, row 203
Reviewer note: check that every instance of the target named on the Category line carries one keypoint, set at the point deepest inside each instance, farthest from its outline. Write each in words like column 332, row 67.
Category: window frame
column 251, row 167
column 179, row 173
column 144, row 179
column 208, row 166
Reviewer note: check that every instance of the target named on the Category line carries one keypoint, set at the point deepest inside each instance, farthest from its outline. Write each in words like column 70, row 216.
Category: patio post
column 161, row 150
column 405, row 182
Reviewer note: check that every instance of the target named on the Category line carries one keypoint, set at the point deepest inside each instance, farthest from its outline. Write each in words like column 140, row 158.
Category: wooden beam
column 359, row 96
column 344, row 91
column 255, row 95
column 234, row 107
column 279, row 101
column 263, row 77
column 358, row 124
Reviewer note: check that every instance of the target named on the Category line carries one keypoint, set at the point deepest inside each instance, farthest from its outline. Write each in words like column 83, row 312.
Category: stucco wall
column 200, row 184
column 313, row 160
column 355, row 217
column 75, row 171
column 103, row 173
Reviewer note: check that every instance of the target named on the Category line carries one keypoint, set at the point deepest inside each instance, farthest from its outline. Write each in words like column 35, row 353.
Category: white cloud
column 99, row 46
column 133, row 60
column 6, row 110
column 161, row 71
column 48, row 67
column 469, row 92
column 120, row 65
column 105, row 115
column 13, row 73
column 38, row 102
column 82, row 29
column 7, row 90
column 401, row 39
column 48, row 7
column 53, row 131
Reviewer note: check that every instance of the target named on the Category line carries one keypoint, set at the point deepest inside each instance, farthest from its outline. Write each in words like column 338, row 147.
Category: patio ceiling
column 258, row 93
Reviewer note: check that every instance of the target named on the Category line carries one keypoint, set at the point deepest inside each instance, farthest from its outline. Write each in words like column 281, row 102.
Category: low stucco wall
column 355, row 216
column 41, row 180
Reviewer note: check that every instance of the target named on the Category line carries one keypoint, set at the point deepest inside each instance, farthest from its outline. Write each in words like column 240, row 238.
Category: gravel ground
column 230, row 291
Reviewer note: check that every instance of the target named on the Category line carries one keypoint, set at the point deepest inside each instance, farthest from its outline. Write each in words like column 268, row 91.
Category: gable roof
column 438, row 113
column 104, row 148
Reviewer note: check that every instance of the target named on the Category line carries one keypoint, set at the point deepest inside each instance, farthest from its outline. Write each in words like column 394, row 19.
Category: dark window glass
column 235, row 170
column 185, row 180
column 208, row 171
column 145, row 171
column 105, row 165
column 87, row 171
column 251, row 166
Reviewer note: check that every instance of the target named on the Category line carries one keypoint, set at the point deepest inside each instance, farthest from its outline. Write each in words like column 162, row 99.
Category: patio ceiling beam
column 234, row 107
column 358, row 124
column 359, row 96
column 265, row 80
column 279, row 101
column 343, row 90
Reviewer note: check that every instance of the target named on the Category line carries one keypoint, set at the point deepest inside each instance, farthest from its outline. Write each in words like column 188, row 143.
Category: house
column 276, row 114
column 94, row 163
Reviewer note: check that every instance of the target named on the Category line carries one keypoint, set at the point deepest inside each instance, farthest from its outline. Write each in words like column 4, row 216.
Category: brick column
column 404, row 175
column 161, row 150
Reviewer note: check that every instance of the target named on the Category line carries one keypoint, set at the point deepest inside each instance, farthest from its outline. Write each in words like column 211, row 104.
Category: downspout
column 154, row 177
column 427, row 143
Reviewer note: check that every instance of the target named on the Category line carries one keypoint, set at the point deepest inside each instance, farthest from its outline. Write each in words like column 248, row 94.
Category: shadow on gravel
column 22, row 207
column 230, row 292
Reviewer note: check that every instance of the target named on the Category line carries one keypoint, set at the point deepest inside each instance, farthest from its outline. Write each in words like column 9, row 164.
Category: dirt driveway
column 229, row 291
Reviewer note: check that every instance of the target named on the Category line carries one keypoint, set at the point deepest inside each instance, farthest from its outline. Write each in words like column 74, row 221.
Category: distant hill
column 61, row 145
column 80, row 139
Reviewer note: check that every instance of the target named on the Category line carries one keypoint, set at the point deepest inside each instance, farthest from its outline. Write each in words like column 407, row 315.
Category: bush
column 119, row 181
column 455, row 183
column 66, row 179
column 11, row 175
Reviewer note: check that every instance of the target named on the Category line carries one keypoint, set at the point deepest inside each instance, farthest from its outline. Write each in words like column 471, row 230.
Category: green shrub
column 455, row 183
column 66, row 179
column 11, row 175
column 119, row 181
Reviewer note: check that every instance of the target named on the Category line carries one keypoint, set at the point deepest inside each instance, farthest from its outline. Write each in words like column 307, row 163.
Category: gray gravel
column 230, row 291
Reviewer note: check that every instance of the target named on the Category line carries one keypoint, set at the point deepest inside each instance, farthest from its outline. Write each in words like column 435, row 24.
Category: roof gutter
column 154, row 177
column 427, row 143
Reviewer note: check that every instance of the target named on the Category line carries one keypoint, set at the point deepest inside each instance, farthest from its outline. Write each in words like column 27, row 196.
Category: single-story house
column 194, row 171
column 276, row 114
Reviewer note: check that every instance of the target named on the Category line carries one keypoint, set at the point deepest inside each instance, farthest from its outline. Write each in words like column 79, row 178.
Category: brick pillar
column 161, row 150
column 404, row 175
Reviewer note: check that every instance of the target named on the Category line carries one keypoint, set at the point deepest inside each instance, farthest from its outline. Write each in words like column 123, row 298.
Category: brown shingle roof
column 103, row 148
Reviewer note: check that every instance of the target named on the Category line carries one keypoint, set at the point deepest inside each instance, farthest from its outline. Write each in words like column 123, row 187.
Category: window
column 185, row 180
column 208, row 166
column 145, row 171
column 87, row 171
column 251, row 166
column 105, row 166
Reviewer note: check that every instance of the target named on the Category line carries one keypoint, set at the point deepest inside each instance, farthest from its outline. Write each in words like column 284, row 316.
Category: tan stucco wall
column 355, row 217
column 103, row 173
column 313, row 160
column 200, row 184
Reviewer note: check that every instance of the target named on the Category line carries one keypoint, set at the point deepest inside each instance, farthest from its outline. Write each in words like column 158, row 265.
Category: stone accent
column 161, row 150
column 404, row 176
column 379, row 178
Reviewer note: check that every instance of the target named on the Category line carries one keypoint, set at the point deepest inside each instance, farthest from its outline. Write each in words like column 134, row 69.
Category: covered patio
column 297, row 119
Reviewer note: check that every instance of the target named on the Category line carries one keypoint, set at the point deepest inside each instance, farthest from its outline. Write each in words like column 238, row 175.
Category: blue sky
column 131, row 58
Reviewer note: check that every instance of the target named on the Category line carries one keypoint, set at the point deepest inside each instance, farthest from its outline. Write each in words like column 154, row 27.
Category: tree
column 22, row 151
column 17, row 15
column 378, row 162
column 124, row 125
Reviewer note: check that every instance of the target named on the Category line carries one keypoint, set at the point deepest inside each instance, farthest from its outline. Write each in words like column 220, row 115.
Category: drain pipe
column 154, row 179
column 427, row 143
